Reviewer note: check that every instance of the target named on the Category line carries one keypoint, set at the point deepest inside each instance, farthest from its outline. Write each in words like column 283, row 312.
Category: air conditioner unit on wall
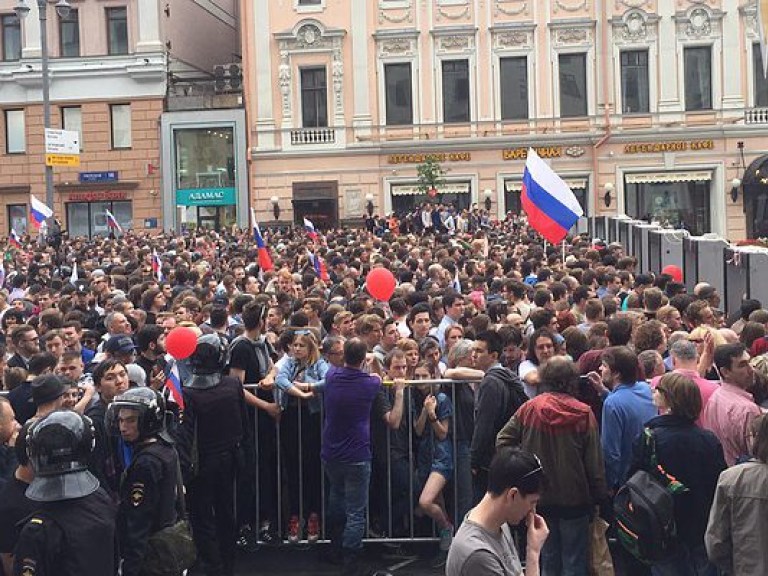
column 227, row 78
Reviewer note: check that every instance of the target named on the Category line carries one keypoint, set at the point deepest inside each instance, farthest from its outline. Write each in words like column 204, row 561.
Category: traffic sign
column 62, row 141
column 62, row 160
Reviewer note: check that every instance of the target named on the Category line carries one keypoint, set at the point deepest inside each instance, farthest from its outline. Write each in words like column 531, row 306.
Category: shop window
column 635, row 90
column 456, row 91
column 120, row 115
column 698, row 78
column 314, row 98
column 573, row 85
column 514, row 88
column 399, row 93
column 15, row 134
column 69, row 35
column 676, row 204
column 760, row 83
column 11, row 29
column 90, row 218
column 17, row 218
column 117, row 30
column 72, row 119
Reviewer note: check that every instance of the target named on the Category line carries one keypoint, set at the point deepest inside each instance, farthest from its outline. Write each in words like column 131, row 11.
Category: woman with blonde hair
column 299, row 375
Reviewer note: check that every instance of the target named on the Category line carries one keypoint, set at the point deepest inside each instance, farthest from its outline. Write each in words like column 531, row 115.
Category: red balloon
column 380, row 283
column 674, row 271
column 181, row 342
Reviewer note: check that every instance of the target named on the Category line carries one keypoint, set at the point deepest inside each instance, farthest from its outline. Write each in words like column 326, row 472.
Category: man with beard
column 150, row 341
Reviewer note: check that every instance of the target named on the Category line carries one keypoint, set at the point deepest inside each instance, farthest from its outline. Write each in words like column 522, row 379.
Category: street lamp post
column 62, row 9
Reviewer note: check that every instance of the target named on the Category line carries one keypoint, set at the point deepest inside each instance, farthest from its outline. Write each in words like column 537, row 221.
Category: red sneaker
column 294, row 528
column 313, row 528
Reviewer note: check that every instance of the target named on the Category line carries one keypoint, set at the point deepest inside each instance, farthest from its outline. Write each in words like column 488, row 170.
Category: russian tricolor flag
column 551, row 207
column 112, row 221
column 265, row 260
column 173, row 385
column 310, row 229
column 319, row 265
column 39, row 212
column 14, row 240
column 157, row 266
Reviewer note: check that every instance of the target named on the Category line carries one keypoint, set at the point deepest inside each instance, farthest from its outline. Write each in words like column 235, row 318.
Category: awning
column 413, row 189
column 573, row 184
column 662, row 177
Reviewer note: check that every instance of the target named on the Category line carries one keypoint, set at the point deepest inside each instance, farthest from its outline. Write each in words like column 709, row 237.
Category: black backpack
column 645, row 509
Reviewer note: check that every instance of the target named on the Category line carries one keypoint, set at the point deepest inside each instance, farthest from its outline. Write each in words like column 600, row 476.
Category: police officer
column 72, row 533
column 148, row 489
column 214, row 414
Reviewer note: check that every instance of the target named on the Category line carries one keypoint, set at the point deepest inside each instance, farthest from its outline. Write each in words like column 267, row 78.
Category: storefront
column 207, row 186
column 673, row 199
column 406, row 197
column 86, row 213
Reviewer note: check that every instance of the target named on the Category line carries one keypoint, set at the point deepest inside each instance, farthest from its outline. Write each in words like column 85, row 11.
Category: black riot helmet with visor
column 149, row 405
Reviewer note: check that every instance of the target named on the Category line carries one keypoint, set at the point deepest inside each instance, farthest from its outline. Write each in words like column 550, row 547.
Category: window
column 634, row 81
column 72, row 119
column 11, row 37
column 761, row 84
column 698, row 78
column 120, row 115
column 456, row 91
column 17, row 218
column 573, row 85
column 514, row 88
column 90, row 218
column 310, row 2
column 69, row 35
column 314, row 98
column 15, row 137
column 677, row 204
column 398, row 87
column 117, row 30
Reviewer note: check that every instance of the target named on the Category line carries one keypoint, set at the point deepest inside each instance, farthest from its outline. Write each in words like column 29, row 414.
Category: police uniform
column 147, row 501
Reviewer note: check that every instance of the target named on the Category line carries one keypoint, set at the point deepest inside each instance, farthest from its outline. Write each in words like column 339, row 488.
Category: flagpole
column 563, row 251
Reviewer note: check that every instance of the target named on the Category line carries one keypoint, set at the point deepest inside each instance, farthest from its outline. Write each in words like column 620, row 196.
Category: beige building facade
column 650, row 108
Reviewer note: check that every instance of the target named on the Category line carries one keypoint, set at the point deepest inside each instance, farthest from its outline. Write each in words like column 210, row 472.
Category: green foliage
column 430, row 174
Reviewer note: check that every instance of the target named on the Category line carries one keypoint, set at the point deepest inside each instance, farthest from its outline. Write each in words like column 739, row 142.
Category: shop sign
column 420, row 158
column 679, row 146
column 90, row 177
column 102, row 196
column 522, row 153
column 206, row 197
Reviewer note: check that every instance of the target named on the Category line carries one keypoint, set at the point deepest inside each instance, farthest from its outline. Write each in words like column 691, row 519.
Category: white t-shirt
column 525, row 368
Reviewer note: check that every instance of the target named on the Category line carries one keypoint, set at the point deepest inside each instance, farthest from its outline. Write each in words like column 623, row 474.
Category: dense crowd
column 501, row 380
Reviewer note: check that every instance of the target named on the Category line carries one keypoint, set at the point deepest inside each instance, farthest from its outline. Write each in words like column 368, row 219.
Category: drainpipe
column 606, row 109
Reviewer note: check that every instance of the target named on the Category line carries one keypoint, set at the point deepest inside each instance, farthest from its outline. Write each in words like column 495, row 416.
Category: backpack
column 645, row 509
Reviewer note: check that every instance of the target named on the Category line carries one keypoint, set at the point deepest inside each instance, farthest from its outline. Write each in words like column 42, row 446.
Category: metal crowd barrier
column 416, row 529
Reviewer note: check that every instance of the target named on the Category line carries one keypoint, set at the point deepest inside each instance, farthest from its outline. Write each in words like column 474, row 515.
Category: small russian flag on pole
column 14, row 240
column 265, row 260
column 112, row 221
column 38, row 212
column 310, row 229
column 73, row 278
column 157, row 266
column 551, row 207
column 173, row 385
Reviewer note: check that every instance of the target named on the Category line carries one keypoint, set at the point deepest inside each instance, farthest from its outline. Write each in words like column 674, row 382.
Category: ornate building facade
column 650, row 108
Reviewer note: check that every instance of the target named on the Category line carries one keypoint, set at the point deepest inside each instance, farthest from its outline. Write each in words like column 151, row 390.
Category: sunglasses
column 536, row 470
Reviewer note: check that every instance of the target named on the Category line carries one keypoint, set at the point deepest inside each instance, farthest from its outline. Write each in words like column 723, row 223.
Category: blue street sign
column 88, row 177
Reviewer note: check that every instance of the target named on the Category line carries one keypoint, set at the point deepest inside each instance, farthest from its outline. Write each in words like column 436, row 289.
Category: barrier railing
column 397, row 476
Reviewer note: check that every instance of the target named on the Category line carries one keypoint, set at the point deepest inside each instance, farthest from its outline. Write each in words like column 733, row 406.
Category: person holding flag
column 310, row 228
column 550, row 204
column 112, row 222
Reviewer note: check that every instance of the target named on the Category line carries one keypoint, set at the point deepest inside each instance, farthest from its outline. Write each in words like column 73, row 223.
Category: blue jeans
column 688, row 562
column 347, row 500
column 566, row 549
column 463, row 480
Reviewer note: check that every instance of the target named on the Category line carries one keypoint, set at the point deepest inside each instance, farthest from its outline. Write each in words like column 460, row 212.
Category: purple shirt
column 349, row 395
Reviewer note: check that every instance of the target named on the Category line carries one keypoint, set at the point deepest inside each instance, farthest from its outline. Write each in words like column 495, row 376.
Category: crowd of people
column 501, row 382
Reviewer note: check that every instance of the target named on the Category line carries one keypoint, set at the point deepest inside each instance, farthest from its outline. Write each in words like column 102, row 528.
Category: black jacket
column 498, row 397
column 694, row 457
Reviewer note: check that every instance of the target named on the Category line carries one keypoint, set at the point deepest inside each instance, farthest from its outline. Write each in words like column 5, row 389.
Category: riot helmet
column 59, row 447
column 208, row 361
column 149, row 405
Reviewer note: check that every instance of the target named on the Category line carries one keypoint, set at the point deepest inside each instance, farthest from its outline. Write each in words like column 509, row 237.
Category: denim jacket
column 287, row 371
